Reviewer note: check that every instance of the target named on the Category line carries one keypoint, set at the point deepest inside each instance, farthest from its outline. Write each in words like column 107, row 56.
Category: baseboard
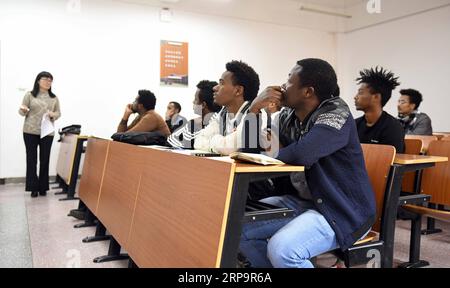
column 20, row 180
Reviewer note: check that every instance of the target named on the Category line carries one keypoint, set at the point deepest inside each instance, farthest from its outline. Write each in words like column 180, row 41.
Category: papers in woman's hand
column 47, row 126
column 255, row 158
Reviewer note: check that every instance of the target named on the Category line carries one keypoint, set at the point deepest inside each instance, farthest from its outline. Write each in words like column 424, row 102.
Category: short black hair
column 147, row 99
column 320, row 75
column 380, row 81
column 207, row 94
column 177, row 105
column 245, row 76
column 415, row 96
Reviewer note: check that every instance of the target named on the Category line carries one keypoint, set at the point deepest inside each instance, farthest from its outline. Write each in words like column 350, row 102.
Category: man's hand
column 169, row 114
column 272, row 94
column 128, row 112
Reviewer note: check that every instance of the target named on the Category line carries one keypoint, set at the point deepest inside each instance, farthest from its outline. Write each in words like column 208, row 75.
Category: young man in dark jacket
column 333, row 201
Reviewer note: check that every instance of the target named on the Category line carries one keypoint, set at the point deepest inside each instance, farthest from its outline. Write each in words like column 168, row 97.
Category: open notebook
column 255, row 158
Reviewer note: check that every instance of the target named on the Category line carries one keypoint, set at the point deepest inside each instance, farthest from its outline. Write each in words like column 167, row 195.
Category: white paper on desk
column 47, row 126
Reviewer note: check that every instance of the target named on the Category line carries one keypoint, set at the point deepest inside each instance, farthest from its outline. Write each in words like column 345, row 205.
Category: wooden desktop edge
column 418, row 159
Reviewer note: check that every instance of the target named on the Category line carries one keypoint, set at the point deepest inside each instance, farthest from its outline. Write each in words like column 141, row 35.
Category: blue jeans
column 288, row 243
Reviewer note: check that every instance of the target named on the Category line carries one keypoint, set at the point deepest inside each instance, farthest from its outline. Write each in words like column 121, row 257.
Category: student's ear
column 377, row 97
column 240, row 90
column 310, row 91
column 204, row 105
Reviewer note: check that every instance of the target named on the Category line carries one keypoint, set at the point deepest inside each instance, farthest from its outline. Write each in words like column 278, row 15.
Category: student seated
column 334, row 204
column 205, row 107
column 377, row 126
column 173, row 118
column 237, row 87
column 413, row 121
column 147, row 120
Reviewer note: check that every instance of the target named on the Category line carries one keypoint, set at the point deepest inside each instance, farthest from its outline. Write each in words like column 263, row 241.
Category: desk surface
column 406, row 159
column 243, row 167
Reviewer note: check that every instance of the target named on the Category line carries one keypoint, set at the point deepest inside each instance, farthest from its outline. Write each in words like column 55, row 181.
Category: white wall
column 103, row 55
column 415, row 48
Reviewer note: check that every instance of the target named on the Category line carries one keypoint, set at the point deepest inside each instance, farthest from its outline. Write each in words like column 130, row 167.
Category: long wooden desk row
column 69, row 163
column 172, row 210
column 166, row 209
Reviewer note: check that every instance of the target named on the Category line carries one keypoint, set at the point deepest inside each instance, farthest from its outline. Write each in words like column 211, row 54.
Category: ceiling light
column 331, row 13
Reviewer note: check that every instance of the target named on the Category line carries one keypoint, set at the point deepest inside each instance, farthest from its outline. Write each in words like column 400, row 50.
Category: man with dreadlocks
column 377, row 126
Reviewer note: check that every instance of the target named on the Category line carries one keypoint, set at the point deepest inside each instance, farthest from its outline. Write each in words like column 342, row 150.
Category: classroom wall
column 103, row 54
column 416, row 48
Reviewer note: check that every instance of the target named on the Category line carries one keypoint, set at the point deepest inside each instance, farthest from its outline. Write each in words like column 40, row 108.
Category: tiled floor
column 38, row 233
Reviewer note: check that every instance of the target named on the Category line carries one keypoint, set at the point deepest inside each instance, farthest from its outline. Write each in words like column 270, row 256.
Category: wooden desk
column 121, row 182
column 68, row 165
column 406, row 159
column 425, row 139
column 93, row 172
column 403, row 163
column 172, row 210
column 65, row 156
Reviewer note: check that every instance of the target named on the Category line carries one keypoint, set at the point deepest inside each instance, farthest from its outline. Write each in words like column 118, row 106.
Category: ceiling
column 287, row 12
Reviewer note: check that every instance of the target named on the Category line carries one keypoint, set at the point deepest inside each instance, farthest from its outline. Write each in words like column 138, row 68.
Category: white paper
column 47, row 126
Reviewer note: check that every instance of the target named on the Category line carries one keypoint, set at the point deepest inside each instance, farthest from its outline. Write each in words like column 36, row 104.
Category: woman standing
column 35, row 105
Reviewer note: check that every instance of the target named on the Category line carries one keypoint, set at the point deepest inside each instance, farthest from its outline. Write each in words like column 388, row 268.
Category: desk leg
column 113, row 253
column 234, row 224
column 387, row 233
column 414, row 248
column 57, row 182
column 431, row 223
column 132, row 265
column 89, row 220
column 64, row 188
column 100, row 234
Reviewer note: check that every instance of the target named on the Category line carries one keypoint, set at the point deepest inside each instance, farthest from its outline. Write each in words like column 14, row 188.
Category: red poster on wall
column 174, row 63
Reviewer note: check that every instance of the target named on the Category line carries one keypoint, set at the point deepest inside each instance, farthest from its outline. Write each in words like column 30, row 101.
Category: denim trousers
column 288, row 243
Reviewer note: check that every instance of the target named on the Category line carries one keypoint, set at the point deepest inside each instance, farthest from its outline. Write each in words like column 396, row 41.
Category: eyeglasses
column 47, row 79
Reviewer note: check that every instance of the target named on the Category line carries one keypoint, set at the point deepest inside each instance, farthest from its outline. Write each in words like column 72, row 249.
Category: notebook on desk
column 255, row 158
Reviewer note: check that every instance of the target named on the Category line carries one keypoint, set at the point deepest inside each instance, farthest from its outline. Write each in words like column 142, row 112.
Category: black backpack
column 140, row 138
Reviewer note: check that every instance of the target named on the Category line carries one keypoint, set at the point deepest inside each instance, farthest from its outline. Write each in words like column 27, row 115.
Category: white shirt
column 211, row 138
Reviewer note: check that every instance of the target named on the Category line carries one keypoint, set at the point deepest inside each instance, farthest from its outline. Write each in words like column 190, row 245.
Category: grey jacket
column 417, row 123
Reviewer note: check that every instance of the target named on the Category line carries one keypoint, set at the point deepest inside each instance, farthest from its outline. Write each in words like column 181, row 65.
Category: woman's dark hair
column 207, row 94
column 35, row 90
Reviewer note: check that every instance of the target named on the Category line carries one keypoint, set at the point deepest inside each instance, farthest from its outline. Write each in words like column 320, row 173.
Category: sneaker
column 34, row 194
column 43, row 193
